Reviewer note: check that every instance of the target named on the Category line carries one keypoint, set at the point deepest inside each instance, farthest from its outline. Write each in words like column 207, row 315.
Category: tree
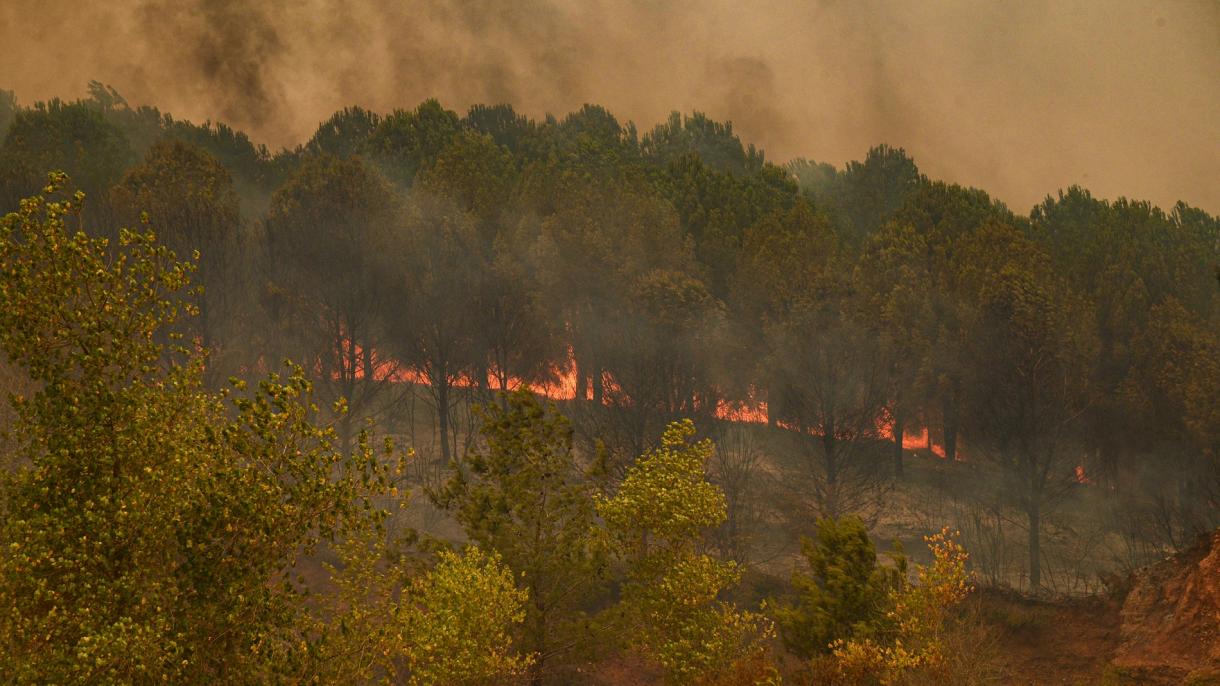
column 8, row 111
column 188, row 196
column 507, row 128
column 477, row 176
column 872, row 190
column 432, row 268
column 895, row 288
column 1170, row 391
column 815, row 358
column 1031, row 359
column 714, row 142
column 72, row 137
column 589, row 253
column 915, row 639
column 345, row 134
column 525, row 497
column 670, row 607
column 658, row 351
column 406, row 141
column 518, row 328
column 327, row 290
column 844, row 595
column 150, row 528
column 458, row 626
column 391, row 623
column 943, row 216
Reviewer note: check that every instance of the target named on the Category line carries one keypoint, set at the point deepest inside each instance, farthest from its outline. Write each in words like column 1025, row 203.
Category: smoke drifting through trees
column 1017, row 97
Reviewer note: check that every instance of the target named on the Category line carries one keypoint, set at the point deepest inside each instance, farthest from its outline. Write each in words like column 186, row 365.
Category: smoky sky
column 1021, row 97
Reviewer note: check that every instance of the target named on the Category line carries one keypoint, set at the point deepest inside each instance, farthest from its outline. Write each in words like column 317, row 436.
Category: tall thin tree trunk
column 1035, row 540
column 581, row 381
column 899, row 432
column 442, row 414
column 950, row 429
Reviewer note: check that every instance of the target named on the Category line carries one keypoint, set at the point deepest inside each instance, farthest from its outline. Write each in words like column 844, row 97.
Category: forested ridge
column 649, row 393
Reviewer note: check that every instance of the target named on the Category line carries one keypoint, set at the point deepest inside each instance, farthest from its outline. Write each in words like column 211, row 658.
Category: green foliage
column 8, row 111
column 326, row 231
column 915, row 640
column 405, row 142
column 74, row 137
column 147, row 519
column 845, row 593
column 345, row 134
column 187, row 195
column 457, row 631
column 524, row 497
column 670, row 606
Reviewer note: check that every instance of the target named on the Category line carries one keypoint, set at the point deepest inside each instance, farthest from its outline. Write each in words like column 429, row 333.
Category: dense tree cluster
column 422, row 263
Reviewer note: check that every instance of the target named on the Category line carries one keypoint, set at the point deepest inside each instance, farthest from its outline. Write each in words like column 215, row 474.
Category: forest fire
column 563, row 385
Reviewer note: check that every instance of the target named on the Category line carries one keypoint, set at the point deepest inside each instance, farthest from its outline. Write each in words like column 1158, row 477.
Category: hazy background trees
column 1062, row 361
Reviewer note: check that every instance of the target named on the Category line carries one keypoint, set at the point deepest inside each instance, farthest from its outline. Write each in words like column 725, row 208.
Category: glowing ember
column 1081, row 477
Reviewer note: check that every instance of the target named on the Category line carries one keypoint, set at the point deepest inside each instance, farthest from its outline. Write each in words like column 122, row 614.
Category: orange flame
column 564, row 386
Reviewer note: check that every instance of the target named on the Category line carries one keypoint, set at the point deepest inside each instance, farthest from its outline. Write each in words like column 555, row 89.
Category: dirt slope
column 1171, row 616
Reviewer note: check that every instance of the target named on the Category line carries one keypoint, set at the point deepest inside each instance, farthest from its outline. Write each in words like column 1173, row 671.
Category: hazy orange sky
column 1020, row 97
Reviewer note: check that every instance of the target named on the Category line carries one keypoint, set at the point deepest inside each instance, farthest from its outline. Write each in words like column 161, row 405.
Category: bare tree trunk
column 950, row 429
column 1033, row 510
column 442, row 415
column 899, row 432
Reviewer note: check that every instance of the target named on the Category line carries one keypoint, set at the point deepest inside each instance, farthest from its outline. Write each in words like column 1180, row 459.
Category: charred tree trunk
column 1033, row 510
column 442, row 414
column 578, row 370
column 599, row 388
column 950, row 410
column 899, row 432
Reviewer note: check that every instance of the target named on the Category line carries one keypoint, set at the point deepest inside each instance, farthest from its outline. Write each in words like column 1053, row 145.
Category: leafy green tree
column 150, row 528
column 345, row 134
column 390, row 623
column 525, row 497
column 1031, row 362
column 186, row 194
column 845, row 593
column 1127, row 258
column 590, row 251
column 477, row 176
column 1171, row 389
column 8, row 111
column 406, row 141
column 458, row 627
column 659, row 350
column 819, row 364
column 327, row 291
column 914, row 642
column 669, row 605
column 892, row 279
column 871, row 191
column 519, row 329
column 73, row 137
column 433, row 268
column 514, row 131
column 943, row 216
column 714, row 143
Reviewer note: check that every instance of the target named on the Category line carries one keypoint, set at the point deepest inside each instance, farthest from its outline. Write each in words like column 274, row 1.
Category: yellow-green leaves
column 458, row 622
column 670, row 608
column 666, row 494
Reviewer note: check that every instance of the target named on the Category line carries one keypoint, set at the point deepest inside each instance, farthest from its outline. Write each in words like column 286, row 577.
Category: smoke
column 1019, row 97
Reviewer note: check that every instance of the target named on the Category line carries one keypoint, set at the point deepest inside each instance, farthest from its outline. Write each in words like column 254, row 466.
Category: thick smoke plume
column 1019, row 97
